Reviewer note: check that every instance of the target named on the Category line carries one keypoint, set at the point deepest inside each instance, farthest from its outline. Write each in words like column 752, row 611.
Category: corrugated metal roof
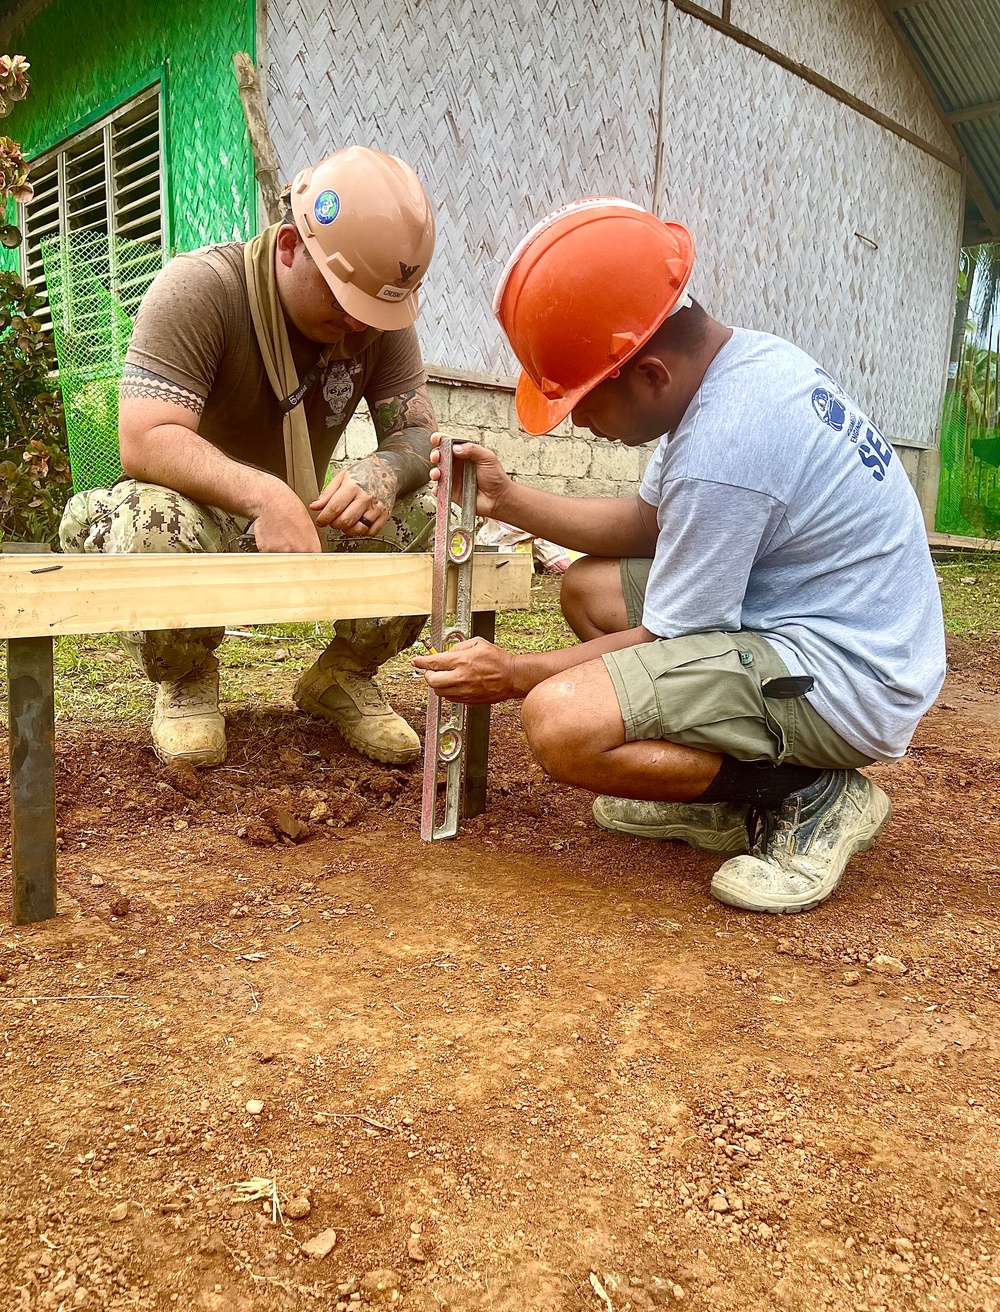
column 957, row 44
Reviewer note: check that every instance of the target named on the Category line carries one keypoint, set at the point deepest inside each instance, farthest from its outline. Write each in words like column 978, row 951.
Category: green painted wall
column 89, row 55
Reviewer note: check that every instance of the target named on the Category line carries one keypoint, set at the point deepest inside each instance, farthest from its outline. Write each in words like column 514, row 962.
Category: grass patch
column 970, row 596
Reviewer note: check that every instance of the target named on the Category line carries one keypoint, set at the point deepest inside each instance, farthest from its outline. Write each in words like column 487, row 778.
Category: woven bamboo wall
column 776, row 178
column 508, row 110
column 850, row 43
column 504, row 110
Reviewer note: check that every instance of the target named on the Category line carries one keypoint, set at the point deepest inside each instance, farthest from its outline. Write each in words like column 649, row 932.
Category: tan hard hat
column 367, row 223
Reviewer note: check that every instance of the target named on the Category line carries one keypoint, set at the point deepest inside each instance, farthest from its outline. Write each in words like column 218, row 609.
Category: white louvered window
column 106, row 179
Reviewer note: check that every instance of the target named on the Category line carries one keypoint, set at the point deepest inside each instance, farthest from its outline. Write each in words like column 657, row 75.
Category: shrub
column 35, row 478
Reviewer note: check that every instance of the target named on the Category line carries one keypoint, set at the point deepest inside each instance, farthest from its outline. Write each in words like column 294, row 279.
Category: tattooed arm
column 359, row 500
column 158, row 435
column 404, row 425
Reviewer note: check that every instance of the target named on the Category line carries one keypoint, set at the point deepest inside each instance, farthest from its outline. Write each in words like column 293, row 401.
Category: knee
column 579, row 587
column 151, row 518
column 552, row 726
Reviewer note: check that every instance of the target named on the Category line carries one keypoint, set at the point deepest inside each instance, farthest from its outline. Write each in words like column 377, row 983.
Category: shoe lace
column 769, row 825
column 193, row 691
column 760, row 826
column 362, row 690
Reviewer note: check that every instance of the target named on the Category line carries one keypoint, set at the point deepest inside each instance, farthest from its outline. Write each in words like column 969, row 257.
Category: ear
column 287, row 244
column 652, row 374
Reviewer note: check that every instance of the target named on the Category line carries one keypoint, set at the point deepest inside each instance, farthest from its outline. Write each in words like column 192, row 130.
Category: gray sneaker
column 710, row 827
column 802, row 846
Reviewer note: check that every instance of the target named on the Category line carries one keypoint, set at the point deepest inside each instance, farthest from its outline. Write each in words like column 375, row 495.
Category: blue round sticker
column 327, row 206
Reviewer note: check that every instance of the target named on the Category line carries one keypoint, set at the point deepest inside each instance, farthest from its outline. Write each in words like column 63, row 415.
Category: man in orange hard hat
column 761, row 621
column 245, row 365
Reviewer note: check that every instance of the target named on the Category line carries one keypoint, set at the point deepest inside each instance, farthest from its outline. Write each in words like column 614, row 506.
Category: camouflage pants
column 142, row 517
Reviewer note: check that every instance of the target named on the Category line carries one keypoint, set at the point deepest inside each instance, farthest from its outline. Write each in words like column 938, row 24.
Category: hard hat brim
column 537, row 414
column 386, row 316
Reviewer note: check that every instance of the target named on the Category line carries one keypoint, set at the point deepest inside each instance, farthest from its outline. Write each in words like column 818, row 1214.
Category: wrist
column 505, row 502
column 265, row 492
column 523, row 676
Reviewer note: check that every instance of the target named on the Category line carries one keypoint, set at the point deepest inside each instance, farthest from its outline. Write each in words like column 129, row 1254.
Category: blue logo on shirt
column 874, row 452
column 327, row 206
column 830, row 409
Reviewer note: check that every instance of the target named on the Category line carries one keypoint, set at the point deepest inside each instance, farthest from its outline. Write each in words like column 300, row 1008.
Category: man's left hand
column 359, row 500
column 474, row 672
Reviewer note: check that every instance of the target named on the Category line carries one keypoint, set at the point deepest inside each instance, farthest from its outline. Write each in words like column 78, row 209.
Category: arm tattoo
column 144, row 384
column 404, row 425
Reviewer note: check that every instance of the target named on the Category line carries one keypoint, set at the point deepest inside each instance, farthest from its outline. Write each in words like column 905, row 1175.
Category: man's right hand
column 283, row 523
column 492, row 484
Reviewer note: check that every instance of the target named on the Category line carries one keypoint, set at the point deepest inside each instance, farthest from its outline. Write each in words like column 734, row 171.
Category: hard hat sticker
column 327, row 206
column 390, row 293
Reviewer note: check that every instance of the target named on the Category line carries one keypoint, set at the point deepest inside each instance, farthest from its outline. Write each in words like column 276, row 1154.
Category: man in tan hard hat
column 245, row 365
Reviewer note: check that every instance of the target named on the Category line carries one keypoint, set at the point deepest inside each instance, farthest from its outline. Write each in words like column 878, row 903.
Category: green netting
column 95, row 284
column 969, row 490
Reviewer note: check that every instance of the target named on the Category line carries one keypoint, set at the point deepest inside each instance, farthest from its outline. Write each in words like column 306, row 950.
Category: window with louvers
column 107, row 179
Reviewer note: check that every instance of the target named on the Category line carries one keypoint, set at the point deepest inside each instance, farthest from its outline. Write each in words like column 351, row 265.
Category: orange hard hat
column 583, row 292
column 366, row 221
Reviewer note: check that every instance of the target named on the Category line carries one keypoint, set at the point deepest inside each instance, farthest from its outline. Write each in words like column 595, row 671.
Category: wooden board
column 44, row 596
column 962, row 544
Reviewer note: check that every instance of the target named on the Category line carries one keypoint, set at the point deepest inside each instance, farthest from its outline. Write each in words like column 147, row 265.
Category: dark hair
column 684, row 332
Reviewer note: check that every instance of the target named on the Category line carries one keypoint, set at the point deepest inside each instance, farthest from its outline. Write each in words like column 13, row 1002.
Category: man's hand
column 492, row 483
column 282, row 523
column 359, row 500
column 475, row 672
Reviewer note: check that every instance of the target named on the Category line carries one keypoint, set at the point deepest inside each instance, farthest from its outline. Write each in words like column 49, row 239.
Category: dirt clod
column 884, row 965
column 320, row 1245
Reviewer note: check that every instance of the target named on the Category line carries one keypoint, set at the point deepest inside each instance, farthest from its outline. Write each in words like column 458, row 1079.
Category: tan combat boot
column 353, row 704
column 187, row 723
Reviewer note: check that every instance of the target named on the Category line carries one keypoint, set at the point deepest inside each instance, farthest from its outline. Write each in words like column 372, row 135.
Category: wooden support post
column 484, row 625
column 31, row 712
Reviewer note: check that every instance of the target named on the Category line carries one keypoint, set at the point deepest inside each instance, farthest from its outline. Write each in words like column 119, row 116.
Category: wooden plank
column 962, row 544
column 114, row 594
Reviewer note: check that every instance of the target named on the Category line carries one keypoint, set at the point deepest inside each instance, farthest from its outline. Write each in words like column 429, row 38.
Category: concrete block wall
column 568, row 462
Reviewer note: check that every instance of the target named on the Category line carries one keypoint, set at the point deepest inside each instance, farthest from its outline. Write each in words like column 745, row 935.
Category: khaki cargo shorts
column 704, row 691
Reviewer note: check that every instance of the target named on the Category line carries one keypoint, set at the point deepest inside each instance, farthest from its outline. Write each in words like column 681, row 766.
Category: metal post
column 31, row 711
column 484, row 625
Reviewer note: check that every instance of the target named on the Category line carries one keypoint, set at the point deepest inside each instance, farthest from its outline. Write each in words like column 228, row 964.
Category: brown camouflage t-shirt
column 194, row 329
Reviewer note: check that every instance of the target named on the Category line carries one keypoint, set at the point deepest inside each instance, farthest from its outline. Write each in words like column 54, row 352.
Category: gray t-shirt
column 783, row 509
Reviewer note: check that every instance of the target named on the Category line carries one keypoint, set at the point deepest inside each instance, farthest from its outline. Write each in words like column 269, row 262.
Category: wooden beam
column 114, row 594
column 817, row 80
column 962, row 544
column 971, row 112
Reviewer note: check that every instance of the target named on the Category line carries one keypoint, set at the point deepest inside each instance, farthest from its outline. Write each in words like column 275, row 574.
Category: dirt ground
column 533, row 1068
